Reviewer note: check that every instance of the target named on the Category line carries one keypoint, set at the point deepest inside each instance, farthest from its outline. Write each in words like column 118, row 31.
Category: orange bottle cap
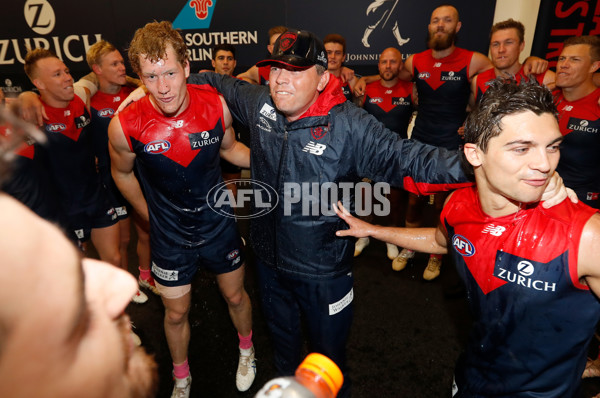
column 325, row 368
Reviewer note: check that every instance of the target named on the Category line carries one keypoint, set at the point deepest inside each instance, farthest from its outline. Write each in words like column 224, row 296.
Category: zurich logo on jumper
column 195, row 14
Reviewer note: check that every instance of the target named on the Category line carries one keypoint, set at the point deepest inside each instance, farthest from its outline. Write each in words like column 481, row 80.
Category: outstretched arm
column 426, row 240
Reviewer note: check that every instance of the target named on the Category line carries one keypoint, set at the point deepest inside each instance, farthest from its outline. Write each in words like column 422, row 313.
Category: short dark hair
column 335, row 38
column 223, row 47
column 31, row 59
column 592, row 41
column 505, row 97
column 509, row 24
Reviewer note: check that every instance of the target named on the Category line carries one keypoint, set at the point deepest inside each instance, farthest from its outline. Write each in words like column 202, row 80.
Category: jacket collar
column 331, row 96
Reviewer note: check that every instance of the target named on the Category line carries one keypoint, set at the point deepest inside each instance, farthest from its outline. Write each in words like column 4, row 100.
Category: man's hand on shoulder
column 134, row 96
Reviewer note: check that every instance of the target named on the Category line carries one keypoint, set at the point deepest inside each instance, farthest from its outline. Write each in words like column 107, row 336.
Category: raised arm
column 122, row 161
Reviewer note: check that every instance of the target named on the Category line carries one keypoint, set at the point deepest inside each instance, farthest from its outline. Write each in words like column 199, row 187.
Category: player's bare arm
column 427, row 240
column 232, row 150
column 122, row 160
column 589, row 252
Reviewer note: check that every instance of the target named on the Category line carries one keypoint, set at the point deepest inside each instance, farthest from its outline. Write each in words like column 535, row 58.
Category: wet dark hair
column 504, row 97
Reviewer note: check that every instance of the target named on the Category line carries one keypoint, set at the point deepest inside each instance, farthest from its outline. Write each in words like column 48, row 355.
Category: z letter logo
column 39, row 16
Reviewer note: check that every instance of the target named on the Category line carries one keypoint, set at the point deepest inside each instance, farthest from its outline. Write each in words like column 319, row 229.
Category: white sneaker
column 140, row 297
column 392, row 251
column 246, row 370
column 182, row 387
column 360, row 245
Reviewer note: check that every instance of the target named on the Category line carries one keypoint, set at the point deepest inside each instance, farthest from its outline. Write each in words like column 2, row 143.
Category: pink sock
column 145, row 274
column 245, row 342
column 181, row 371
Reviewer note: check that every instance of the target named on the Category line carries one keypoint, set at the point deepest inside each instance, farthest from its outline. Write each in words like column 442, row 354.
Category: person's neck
column 50, row 100
column 580, row 91
column 439, row 54
column 510, row 71
column 492, row 202
column 498, row 206
column 389, row 83
column 109, row 88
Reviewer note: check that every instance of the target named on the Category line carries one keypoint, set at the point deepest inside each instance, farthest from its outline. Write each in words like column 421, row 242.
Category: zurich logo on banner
column 196, row 14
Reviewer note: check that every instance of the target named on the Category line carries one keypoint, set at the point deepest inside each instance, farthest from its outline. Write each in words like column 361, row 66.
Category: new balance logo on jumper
column 315, row 149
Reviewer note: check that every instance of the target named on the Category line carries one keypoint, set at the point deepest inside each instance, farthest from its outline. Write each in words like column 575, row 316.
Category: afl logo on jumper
column 106, row 112
column 55, row 127
column 157, row 147
column 233, row 254
column 424, row 75
column 376, row 100
column 463, row 246
column 287, row 40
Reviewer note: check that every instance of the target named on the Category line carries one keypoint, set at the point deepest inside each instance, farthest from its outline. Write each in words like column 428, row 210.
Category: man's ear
column 472, row 154
column 595, row 66
column 38, row 84
column 324, row 80
column 186, row 68
column 96, row 69
column 458, row 26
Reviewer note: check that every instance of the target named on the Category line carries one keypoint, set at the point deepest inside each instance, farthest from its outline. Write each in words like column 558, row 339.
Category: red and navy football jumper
column 443, row 89
column 579, row 164
column 532, row 317
column 392, row 106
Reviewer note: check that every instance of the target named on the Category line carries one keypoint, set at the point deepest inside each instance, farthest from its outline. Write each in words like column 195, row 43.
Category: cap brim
column 287, row 62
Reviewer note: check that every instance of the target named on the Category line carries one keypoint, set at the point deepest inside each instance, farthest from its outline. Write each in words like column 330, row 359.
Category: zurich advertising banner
column 70, row 27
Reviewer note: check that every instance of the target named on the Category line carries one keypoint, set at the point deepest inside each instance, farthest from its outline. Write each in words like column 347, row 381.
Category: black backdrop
column 559, row 20
column 69, row 27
